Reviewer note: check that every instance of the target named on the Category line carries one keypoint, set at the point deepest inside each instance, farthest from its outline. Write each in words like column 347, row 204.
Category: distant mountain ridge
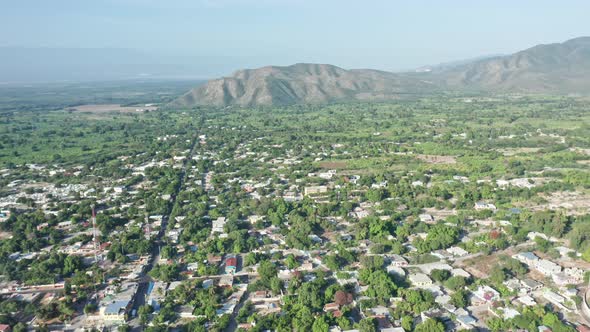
column 551, row 68
column 302, row 83
column 548, row 68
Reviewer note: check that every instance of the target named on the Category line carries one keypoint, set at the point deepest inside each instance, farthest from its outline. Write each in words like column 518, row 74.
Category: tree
column 430, row 325
column 455, row 282
column 440, row 275
column 367, row 325
column 20, row 327
column 407, row 323
column 71, row 264
column 497, row 274
column 123, row 328
column 89, row 308
column 144, row 314
column 460, row 298
column 302, row 319
column 320, row 325
column 267, row 270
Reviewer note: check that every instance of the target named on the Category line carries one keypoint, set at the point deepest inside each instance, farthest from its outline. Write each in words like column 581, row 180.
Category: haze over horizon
column 109, row 39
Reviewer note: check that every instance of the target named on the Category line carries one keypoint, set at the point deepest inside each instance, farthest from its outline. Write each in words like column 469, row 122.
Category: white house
column 420, row 280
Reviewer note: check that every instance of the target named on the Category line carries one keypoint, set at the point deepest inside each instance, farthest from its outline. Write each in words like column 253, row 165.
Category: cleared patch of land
column 332, row 164
column 105, row 108
column 434, row 159
column 572, row 202
column 514, row 151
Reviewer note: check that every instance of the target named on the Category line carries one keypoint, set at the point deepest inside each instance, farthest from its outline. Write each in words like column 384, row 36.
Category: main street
column 142, row 290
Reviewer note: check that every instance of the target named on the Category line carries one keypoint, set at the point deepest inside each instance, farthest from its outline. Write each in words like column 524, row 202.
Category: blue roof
column 466, row 319
column 116, row 307
column 529, row 255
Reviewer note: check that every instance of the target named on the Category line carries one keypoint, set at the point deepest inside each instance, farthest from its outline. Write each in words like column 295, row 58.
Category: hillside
column 552, row 68
column 302, row 84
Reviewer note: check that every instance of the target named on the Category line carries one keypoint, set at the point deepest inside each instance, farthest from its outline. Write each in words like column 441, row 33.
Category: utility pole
column 95, row 236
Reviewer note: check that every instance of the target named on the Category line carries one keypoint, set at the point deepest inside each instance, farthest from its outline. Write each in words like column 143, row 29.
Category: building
column 526, row 257
column 218, row 226
column 531, row 285
column 426, row 218
column 484, row 206
column 547, row 267
column 399, row 261
column 115, row 308
column 157, row 295
column 457, row 251
column 486, row 294
column 315, row 190
column 231, row 264
column 554, row 298
column 420, row 280
column 226, row 281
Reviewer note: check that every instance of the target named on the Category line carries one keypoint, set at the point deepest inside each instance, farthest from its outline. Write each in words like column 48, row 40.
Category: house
column 226, row 280
column 426, row 218
column 245, row 326
column 331, row 307
column 527, row 301
column 218, row 225
column 562, row 279
column 513, row 285
column 259, row 296
column 392, row 269
column 255, row 218
column 526, row 257
column 457, row 251
column 420, row 280
column 186, row 311
column 486, row 294
column 115, row 307
column 484, row 206
column 115, row 311
column 531, row 285
column 306, row 266
column 547, row 267
column 213, row 259
column 192, row 266
column 553, row 297
column 207, row 283
column 466, row 321
column 399, row 261
column 315, row 190
column 458, row 272
column 231, row 263
column 157, row 295
column 5, row 328
column 533, row 235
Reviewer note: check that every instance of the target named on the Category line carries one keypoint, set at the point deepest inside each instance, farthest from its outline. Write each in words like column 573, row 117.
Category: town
column 318, row 218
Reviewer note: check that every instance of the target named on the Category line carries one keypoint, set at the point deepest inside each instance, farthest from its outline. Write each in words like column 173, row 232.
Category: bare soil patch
column 332, row 164
column 434, row 159
column 514, row 151
column 105, row 108
column 572, row 202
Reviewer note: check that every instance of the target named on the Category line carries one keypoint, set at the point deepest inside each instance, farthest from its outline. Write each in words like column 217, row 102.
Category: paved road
column 141, row 295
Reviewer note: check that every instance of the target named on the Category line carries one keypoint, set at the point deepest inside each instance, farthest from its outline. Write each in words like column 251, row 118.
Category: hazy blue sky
column 388, row 34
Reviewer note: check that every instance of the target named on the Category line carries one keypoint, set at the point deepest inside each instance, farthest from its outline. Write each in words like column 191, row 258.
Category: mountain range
column 548, row 68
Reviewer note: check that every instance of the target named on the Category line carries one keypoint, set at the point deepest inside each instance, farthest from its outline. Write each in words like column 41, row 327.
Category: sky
column 216, row 37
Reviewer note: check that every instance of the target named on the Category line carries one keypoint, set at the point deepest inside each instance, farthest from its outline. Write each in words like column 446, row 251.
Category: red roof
column 4, row 327
column 232, row 261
